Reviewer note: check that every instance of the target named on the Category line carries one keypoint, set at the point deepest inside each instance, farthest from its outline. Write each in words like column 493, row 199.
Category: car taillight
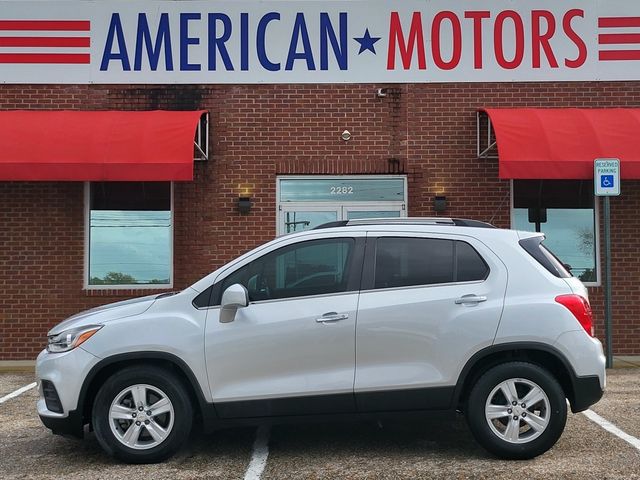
column 580, row 308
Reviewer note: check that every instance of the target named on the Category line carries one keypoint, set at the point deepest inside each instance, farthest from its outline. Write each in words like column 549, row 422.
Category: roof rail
column 457, row 222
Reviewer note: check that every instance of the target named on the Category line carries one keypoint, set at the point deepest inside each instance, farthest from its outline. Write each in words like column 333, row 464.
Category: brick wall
column 425, row 131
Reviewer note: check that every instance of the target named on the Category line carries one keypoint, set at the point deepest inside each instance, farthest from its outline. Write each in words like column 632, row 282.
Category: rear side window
column 403, row 262
column 545, row 257
column 469, row 264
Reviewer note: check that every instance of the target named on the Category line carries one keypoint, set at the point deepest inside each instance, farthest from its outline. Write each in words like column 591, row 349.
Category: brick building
column 422, row 136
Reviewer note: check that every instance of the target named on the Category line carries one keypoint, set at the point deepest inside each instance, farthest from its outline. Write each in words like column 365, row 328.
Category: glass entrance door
column 298, row 219
column 353, row 213
column 306, row 202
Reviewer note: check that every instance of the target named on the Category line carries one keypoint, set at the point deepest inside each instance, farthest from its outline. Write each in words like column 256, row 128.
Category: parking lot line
column 259, row 456
column 610, row 427
column 18, row 392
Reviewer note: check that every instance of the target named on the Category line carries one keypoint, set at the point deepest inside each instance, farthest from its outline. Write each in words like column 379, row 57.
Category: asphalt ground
column 391, row 450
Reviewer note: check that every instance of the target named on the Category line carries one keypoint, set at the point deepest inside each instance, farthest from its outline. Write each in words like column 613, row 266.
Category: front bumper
column 67, row 372
column 71, row 425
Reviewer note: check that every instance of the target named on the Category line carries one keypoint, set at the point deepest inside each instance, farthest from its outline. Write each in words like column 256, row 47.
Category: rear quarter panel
column 531, row 313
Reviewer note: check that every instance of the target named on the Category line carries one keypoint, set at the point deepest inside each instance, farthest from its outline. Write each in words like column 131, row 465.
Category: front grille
column 51, row 397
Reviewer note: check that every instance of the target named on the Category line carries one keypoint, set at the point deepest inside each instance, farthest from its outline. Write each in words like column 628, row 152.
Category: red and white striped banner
column 619, row 38
column 45, row 41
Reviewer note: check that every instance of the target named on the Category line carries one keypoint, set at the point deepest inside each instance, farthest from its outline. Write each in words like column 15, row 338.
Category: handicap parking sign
column 606, row 177
column 606, row 181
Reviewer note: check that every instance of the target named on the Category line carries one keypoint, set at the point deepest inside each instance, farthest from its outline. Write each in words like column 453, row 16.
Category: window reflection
column 342, row 189
column 130, row 233
column 309, row 268
column 299, row 221
column 564, row 211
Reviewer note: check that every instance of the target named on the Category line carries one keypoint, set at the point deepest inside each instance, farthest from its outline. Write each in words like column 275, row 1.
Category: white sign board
column 328, row 41
column 606, row 177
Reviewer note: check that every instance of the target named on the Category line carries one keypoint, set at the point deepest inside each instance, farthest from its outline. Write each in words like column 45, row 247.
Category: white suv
column 355, row 318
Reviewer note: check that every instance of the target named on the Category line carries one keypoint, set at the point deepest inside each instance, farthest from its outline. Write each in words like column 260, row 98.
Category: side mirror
column 233, row 298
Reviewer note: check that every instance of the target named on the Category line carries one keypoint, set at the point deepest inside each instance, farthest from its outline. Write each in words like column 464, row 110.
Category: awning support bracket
column 486, row 146
column 203, row 155
column 201, row 140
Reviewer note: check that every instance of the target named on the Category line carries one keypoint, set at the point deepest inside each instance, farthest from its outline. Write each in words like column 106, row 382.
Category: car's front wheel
column 517, row 410
column 142, row 414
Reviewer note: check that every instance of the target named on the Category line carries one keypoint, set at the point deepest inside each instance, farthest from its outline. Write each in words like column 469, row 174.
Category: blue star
column 367, row 42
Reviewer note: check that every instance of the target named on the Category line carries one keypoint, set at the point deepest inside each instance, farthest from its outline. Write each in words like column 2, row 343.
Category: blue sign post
column 606, row 182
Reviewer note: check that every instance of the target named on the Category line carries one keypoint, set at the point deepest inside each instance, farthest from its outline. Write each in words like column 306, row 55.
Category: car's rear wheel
column 142, row 414
column 516, row 410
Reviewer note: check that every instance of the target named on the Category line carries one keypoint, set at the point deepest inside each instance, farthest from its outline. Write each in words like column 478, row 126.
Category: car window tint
column 469, row 264
column 308, row 268
column 402, row 262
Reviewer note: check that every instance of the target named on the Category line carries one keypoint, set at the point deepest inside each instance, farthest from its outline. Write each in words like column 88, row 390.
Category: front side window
column 564, row 211
column 130, row 234
column 404, row 262
column 309, row 268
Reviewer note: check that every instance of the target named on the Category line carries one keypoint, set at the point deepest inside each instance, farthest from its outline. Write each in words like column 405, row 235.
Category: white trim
column 596, row 212
column 512, row 215
column 87, row 233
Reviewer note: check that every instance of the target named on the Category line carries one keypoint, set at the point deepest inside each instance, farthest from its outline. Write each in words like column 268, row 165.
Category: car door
column 291, row 351
column 428, row 302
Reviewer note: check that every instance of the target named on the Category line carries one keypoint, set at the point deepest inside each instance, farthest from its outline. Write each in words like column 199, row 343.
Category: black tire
column 490, row 434
column 160, row 383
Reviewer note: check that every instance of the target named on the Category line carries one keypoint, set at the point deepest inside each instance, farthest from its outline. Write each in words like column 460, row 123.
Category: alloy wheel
column 517, row 410
column 141, row 416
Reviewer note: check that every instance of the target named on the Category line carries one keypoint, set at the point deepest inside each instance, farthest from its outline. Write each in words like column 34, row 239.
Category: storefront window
column 349, row 189
column 130, row 234
column 564, row 211
column 306, row 202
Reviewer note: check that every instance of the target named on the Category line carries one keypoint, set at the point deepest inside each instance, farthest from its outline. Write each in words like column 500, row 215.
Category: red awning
column 563, row 143
column 99, row 146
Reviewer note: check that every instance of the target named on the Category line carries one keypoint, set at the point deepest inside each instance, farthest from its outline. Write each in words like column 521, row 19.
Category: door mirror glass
column 234, row 297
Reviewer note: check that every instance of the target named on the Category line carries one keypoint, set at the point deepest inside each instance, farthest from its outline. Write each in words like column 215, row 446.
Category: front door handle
column 470, row 299
column 332, row 317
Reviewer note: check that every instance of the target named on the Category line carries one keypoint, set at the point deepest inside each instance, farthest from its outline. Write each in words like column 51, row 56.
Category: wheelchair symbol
column 606, row 181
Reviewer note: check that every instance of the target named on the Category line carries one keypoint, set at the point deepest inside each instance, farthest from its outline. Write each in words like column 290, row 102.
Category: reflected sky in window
column 570, row 235
column 133, row 245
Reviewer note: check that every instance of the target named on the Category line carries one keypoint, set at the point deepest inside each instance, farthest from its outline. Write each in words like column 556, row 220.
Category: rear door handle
column 470, row 299
column 332, row 317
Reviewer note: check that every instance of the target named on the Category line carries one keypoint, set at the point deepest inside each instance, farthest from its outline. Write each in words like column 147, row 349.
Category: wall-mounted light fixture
column 439, row 203
column 346, row 135
column 244, row 205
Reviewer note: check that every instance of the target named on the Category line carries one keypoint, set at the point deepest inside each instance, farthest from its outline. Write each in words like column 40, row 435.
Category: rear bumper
column 586, row 392
column 588, row 368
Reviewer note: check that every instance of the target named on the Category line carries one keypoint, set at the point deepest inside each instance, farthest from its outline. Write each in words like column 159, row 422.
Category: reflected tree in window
column 564, row 211
column 130, row 233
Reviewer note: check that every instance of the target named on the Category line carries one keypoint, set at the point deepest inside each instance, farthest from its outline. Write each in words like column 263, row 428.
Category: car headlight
column 70, row 339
